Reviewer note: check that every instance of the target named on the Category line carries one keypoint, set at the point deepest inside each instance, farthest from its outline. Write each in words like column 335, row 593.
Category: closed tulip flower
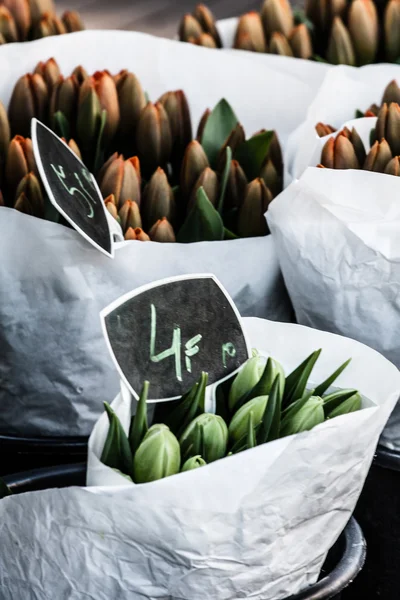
column 158, row 455
column 122, row 178
column 250, row 33
column 235, row 187
column 72, row 21
column 378, row 157
column 279, row 45
column 364, row 30
column 158, row 199
column 29, row 99
column 251, row 221
column 162, row 231
column 21, row 13
column 50, row 72
column 20, row 162
column 277, row 16
column 64, row 98
column 322, row 129
column 206, row 19
column 31, row 188
column 8, row 28
column 177, row 108
column 339, row 153
column 136, row 234
column 391, row 93
column 208, row 180
column 205, row 40
column 129, row 215
column 340, row 47
column 392, row 30
column 153, row 137
column 131, row 100
column 103, row 85
column 193, row 164
column 39, row 8
column 189, row 28
column 212, row 442
column 393, row 167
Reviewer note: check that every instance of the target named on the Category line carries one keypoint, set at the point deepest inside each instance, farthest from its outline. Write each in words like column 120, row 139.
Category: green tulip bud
column 388, row 126
column 351, row 404
column 239, row 424
column 213, row 441
column 305, row 418
column 300, row 42
column 158, row 455
column 248, row 376
column 193, row 463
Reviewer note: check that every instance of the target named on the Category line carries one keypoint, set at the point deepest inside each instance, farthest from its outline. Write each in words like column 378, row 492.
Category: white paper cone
column 257, row 524
column 55, row 371
column 338, row 240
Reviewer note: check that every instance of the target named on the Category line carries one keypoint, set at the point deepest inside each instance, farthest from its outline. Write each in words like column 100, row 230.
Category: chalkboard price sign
column 71, row 188
column 170, row 331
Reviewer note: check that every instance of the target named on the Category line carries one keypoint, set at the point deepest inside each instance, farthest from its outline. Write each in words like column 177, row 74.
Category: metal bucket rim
column 387, row 459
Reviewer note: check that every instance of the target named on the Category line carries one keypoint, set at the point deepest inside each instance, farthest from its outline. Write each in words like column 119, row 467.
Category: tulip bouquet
column 347, row 150
column 22, row 20
column 258, row 405
column 172, row 188
column 339, row 32
column 255, row 521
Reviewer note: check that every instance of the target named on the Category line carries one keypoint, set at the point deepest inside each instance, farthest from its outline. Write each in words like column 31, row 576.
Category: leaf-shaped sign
column 253, row 152
column 203, row 223
column 171, row 331
column 217, row 129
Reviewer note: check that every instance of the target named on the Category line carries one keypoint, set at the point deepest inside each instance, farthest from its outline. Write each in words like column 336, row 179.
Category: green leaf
column 50, row 211
column 229, row 235
column 251, row 437
column 116, row 451
column 301, row 17
column 372, row 137
column 60, row 125
column 296, row 382
column 322, row 387
column 334, row 400
column 139, row 425
column 99, row 152
column 147, row 97
column 359, row 114
column 224, row 179
column 203, row 223
column 318, row 58
column 4, row 489
column 253, row 152
column 217, row 129
column 271, row 421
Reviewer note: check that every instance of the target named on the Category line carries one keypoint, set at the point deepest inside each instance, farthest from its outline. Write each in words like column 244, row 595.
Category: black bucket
column 378, row 512
column 344, row 561
column 23, row 454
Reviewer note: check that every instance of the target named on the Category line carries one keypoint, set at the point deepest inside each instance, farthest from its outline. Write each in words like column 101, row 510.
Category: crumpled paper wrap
column 55, row 371
column 337, row 234
column 254, row 525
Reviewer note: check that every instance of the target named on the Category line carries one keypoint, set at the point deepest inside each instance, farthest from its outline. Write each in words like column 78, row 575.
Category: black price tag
column 170, row 331
column 71, row 188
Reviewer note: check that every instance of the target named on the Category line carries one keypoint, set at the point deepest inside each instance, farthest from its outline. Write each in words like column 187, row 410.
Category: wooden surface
column 159, row 17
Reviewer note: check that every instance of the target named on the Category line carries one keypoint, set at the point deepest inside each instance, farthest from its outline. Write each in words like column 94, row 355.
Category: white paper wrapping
column 254, row 525
column 338, row 239
column 55, row 370
column 343, row 90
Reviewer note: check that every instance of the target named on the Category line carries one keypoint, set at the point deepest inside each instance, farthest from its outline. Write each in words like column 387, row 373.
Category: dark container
column 342, row 565
column 22, row 454
column 378, row 512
